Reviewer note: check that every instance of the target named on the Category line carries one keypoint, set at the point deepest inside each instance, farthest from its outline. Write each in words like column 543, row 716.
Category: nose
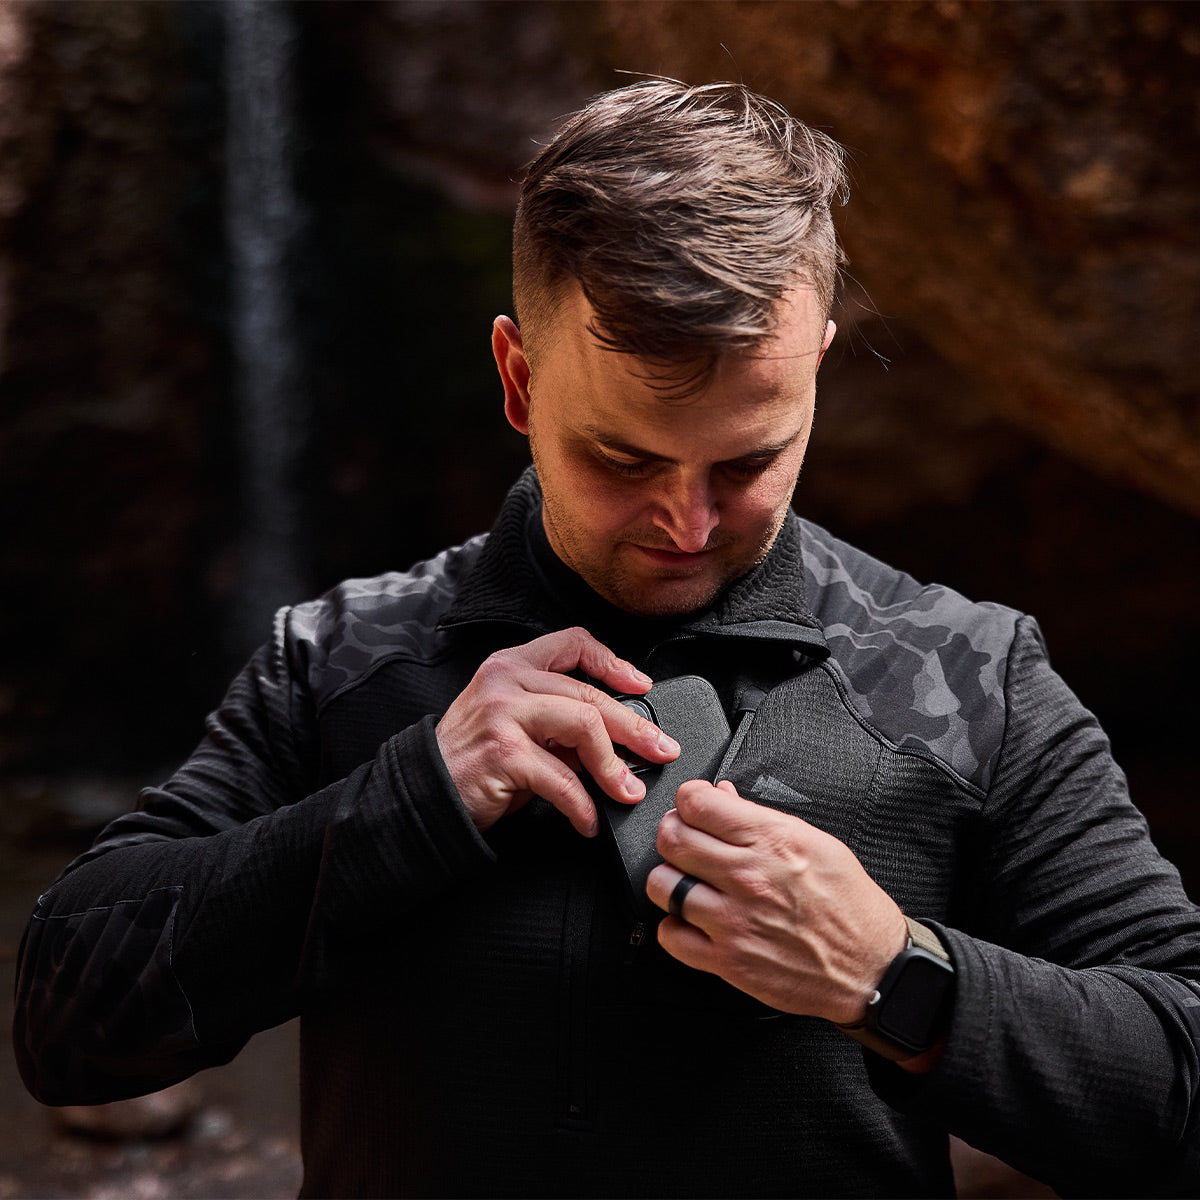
column 687, row 511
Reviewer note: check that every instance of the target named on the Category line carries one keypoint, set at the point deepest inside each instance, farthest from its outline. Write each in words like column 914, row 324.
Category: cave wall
column 105, row 371
column 1027, row 193
column 1013, row 407
column 996, row 412
column 1010, row 406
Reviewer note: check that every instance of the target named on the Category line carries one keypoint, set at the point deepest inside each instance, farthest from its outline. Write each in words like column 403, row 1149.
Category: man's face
column 660, row 504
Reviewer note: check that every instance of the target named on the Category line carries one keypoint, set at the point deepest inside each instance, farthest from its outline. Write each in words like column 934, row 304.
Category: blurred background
column 249, row 257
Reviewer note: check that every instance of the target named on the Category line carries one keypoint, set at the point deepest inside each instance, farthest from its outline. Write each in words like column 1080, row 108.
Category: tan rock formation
column 1027, row 192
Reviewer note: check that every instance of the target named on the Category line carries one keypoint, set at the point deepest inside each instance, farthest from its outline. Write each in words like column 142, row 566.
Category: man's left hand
column 783, row 910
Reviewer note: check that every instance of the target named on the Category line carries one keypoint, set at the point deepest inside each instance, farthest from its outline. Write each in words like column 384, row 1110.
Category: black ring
column 679, row 894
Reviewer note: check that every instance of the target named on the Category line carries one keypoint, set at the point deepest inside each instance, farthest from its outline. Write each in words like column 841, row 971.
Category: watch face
column 912, row 1012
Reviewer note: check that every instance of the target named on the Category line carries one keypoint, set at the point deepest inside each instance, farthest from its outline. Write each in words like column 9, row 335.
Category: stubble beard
column 638, row 594
column 617, row 584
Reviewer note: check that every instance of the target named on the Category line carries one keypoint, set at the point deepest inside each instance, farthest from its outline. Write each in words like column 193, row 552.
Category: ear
column 830, row 330
column 513, row 366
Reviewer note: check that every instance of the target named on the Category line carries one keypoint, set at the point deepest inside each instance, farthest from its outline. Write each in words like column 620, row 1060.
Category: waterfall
column 262, row 219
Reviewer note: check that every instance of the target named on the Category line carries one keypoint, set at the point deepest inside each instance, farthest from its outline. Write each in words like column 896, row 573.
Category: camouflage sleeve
column 207, row 915
column 1073, row 1049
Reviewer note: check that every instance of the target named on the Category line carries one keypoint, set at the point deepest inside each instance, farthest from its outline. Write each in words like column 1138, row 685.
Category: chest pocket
column 805, row 755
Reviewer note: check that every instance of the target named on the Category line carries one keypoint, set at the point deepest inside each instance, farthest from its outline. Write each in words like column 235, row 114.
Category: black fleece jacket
column 482, row 1015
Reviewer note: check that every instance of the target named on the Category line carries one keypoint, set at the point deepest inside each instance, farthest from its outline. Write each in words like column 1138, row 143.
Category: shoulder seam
column 835, row 673
column 396, row 612
column 359, row 680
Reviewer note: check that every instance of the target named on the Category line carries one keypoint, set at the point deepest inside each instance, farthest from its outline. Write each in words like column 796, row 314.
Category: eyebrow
column 622, row 447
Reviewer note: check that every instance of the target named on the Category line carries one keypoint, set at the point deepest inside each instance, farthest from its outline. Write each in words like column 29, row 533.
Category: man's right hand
column 522, row 726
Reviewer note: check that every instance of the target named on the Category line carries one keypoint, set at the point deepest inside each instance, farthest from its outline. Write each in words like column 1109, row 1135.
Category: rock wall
column 1010, row 406
column 104, row 357
column 993, row 414
column 1027, row 193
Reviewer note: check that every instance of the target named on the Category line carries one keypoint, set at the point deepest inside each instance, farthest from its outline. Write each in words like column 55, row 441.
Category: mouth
column 675, row 558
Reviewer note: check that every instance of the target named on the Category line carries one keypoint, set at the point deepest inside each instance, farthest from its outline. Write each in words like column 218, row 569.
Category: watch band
column 924, row 952
column 923, row 937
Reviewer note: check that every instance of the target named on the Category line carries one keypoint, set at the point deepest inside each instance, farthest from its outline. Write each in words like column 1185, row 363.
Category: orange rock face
column 1027, row 193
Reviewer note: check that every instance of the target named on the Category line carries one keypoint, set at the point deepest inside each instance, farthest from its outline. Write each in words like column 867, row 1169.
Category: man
column 916, row 900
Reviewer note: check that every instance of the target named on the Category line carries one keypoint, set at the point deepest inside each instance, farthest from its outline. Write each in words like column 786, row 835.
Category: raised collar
column 768, row 604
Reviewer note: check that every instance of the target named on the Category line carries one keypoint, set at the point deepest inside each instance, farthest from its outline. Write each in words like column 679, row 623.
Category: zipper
column 573, row 1074
column 637, row 936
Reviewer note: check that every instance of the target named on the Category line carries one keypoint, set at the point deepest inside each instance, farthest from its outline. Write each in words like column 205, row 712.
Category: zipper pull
column 637, row 935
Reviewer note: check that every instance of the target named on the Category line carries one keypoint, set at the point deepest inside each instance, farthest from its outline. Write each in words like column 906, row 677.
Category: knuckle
column 656, row 882
column 746, row 875
column 667, row 838
column 642, row 729
column 505, row 740
column 585, row 693
column 586, row 719
column 563, row 779
column 557, row 783
column 575, row 638
column 784, row 850
column 493, row 668
column 688, row 798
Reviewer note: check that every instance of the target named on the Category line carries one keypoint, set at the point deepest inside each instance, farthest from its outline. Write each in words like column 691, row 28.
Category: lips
column 675, row 558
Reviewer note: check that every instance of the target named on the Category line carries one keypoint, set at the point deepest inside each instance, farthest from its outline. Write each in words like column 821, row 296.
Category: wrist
column 908, row 1011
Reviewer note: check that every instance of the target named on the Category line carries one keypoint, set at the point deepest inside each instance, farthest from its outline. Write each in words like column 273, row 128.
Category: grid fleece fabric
column 482, row 1015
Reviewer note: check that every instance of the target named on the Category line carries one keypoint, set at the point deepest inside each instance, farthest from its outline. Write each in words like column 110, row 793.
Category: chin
column 666, row 600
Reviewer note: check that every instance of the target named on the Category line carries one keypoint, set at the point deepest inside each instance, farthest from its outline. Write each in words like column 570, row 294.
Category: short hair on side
column 684, row 213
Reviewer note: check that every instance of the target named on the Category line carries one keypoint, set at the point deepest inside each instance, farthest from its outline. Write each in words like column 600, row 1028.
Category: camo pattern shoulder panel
column 920, row 664
column 340, row 639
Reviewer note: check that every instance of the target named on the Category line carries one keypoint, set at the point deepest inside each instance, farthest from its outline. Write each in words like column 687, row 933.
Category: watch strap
column 923, row 938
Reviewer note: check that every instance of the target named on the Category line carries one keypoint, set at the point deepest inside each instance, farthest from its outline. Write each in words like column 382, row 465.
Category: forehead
column 581, row 373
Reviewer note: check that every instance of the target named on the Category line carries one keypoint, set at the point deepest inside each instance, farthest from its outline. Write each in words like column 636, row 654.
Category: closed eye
column 749, row 468
column 631, row 470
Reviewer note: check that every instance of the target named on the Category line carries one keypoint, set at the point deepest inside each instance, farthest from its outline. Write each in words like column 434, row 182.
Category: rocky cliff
column 1011, row 405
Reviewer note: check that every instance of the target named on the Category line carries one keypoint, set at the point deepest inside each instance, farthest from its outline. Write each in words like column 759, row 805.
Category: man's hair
column 685, row 214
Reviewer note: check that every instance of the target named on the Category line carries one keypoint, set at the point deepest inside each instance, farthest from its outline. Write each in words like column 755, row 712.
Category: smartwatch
column 909, row 1009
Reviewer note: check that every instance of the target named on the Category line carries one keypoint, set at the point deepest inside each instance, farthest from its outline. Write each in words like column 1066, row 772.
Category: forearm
column 160, row 954
column 1081, row 1078
column 1072, row 1051
column 106, row 1005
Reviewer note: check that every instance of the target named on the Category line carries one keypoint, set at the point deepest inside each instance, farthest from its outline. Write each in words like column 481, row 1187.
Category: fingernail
column 642, row 677
column 667, row 744
column 631, row 785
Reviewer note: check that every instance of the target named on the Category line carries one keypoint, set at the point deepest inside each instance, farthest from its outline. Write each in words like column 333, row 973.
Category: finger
column 555, row 654
column 574, row 714
column 660, row 883
column 695, row 852
column 698, row 907
column 545, row 774
column 576, row 649
column 628, row 728
column 685, row 939
column 568, row 724
column 723, row 813
column 624, row 725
